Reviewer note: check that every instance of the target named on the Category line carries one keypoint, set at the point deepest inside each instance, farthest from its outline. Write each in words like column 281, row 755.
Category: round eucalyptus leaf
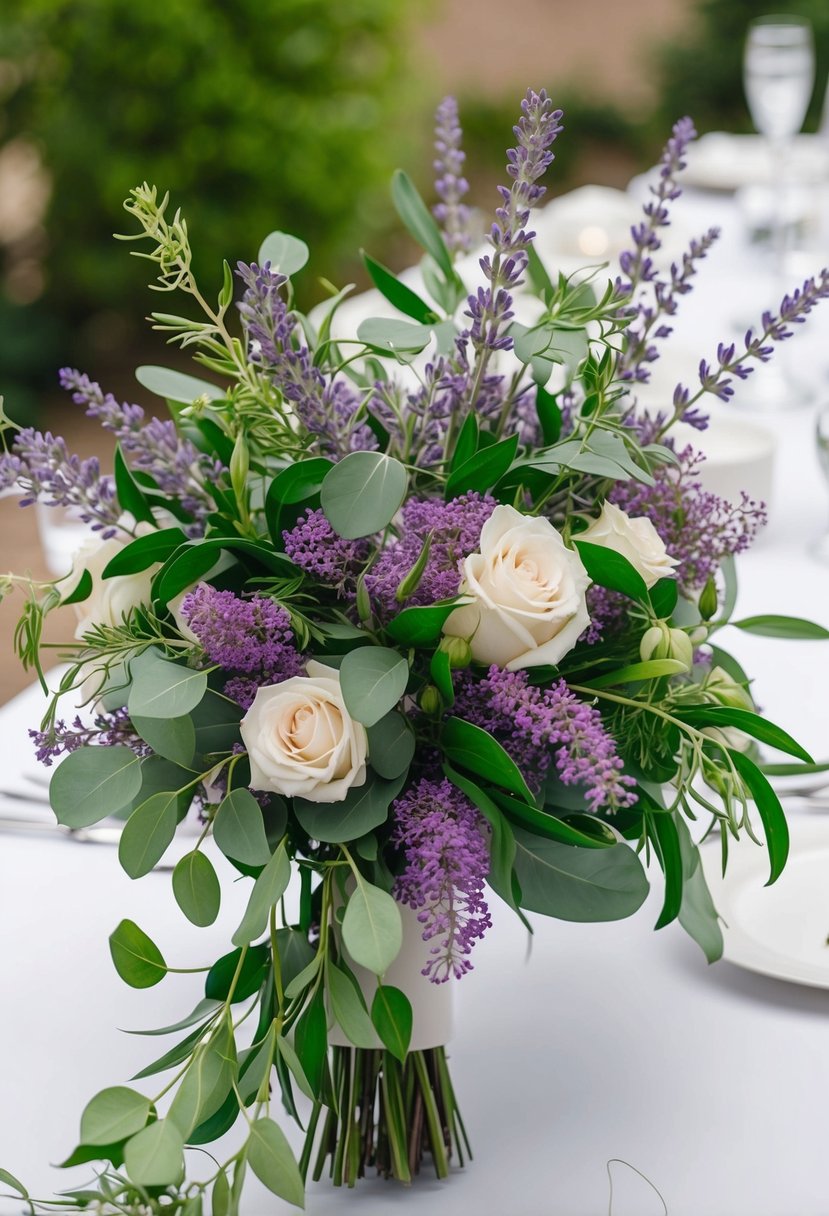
column 391, row 745
column 372, row 928
column 148, row 833
column 372, row 679
column 239, row 829
column 197, row 889
column 161, row 689
column 176, row 386
column 393, row 335
column 155, row 1157
column 362, row 493
column 114, row 1114
column 578, row 884
column 94, row 782
column 364, row 808
column 137, row 958
column 287, row 254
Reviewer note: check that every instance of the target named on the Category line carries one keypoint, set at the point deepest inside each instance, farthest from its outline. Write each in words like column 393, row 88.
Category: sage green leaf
column 220, row 1199
column 697, row 913
column 176, row 386
column 216, row 720
column 10, row 1180
column 113, row 1115
column 148, row 833
column 724, row 716
column 155, row 1157
column 273, row 1163
column 173, row 739
column 474, row 749
column 348, row 1008
column 364, row 808
column 269, row 887
column 391, row 745
column 372, row 679
column 297, row 1071
column 201, row 1013
column 295, row 953
column 793, row 627
column 299, row 982
column 391, row 1015
column 161, row 689
column 769, row 809
column 137, row 959
column 397, row 293
column 287, row 254
column 173, row 1056
column 362, row 493
column 372, row 928
column 197, row 889
column 633, row 673
column 94, row 782
column 419, row 220
column 388, row 334
column 578, row 884
column 239, row 829
column 205, row 1085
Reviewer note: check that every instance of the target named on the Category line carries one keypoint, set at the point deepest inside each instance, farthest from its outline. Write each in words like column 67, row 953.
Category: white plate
column 780, row 930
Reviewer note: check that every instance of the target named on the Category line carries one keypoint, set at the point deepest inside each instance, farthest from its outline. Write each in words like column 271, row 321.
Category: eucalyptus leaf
column 348, row 1008
column 391, row 1015
column 394, row 336
column 364, row 808
column 203, row 1010
column 362, row 493
column 173, row 739
column 273, row 1163
column 269, row 887
column 176, row 386
column 137, row 959
column 148, row 833
column 161, row 689
column 287, row 254
column 391, row 745
column 372, row 928
column 250, row 975
column 155, row 1156
column 697, row 913
column 93, row 782
column 113, row 1115
column 239, row 829
column 372, row 679
column 578, row 884
column 197, row 889
column 205, row 1085
column 292, row 1060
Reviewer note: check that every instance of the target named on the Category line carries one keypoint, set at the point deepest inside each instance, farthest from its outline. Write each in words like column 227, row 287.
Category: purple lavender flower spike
column 110, row 729
column 451, row 186
column 542, row 727
column 442, row 838
column 313, row 545
column 41, row 464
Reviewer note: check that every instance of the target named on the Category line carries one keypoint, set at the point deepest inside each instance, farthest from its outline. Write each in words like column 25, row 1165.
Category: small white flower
column 111, row 600
column 636, row 539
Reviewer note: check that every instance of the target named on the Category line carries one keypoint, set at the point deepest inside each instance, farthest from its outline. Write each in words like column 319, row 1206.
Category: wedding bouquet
column 405, row 619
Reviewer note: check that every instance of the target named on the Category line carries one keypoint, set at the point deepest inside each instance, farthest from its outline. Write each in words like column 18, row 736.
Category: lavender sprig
column 450, row 185
column 42, row 465
column 111, row 729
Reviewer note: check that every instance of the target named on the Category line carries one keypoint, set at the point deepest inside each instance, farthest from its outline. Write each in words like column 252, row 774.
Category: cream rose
column 301, row 741
column 528, row 592
column 636, row 539
column 111, row 600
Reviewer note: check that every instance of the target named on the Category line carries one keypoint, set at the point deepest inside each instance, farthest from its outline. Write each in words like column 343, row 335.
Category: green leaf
column 697, row 914
column 197, row 558
column 303, row 978
column 392, row 336
column 137, row 959
column 175, row 386
column 299, row 483
column 391, row 1015
column 610, row 569
column 173, row 1056
column 372, row 928
column 794, row 627
column 155, row 1157
column 113, row 1115
column 402, row 297
column 286, row 254
column 364, row 808
column 664, row 595
column 196, row 889
column 273, row 1163
column 206, row 1083
column 653, row 669
column 549, row 415
column 161, row 689
column 311, row 1041
column 220, row 1199
column 158, row 776
column 440, row 669
column 10, row 1180
column 216, row 720
column 269, row 887
column 295, row 953
column 362, row 494
column 130, row 495
column 662, row 830
column 551, row 827
column 82, row 591
column 391, row 745
column 148, row 833
column 348, row 1008
column 418, row 219
column 94, row 782
column 501, row 841
column 475, row 750
column 220, row 976
column 372, row 679
column 144, row 552
column 202, row 1011
column 292, row 1060
column 239, row 829
column 483, row 469
column 769, row 809
column 172, row 738
column 420, row 625
column 578, row 884
column 723, row 716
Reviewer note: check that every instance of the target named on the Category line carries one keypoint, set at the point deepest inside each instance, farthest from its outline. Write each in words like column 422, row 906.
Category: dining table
column 599, row 1067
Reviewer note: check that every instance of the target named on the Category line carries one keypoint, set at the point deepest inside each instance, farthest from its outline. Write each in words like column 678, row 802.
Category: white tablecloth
column 611, row 1041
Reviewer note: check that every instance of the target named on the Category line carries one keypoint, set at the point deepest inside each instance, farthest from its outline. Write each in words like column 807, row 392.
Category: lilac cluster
column 314, row 546
column 450, row 186
column 326, row 410
column 544, row 726
column 455, row 531
column 155, row 446
column 490, row 309
column 111, row 729
column 250, row 638
column 41, row 464
column 442, row 838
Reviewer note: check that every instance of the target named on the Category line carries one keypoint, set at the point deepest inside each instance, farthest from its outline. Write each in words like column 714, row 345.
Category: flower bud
column 681, row 648
column 655, row 642
column 459, row 651
column 708, row 599
column 362, row 600
column 239, row 466
column 725, row 690
column 430, row 700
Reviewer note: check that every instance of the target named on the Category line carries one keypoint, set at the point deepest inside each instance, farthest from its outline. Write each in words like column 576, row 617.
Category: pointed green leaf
column 196, row 889
column 769, row 809
column 137, row 959
column 113, row 1115
column 273, row 1163
column 391, row 1014
column 348, row 1008
column 793, row 627
column 267, row 890
column 476, row 750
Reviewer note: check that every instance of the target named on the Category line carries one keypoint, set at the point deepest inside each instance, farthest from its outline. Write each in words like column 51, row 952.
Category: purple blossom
column 327, row 410
column 455, row 530
column 450, row 185
column 540, row 727
column 247, row 637
column 46, row 470
column 175, row 465
column 442, row 838
column 107, row 730
column 314, row 546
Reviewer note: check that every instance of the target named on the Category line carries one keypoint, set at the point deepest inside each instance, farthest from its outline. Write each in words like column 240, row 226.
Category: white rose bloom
column 636, row 539
column 528, row 591
column 111, row 599
column 301, row 740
